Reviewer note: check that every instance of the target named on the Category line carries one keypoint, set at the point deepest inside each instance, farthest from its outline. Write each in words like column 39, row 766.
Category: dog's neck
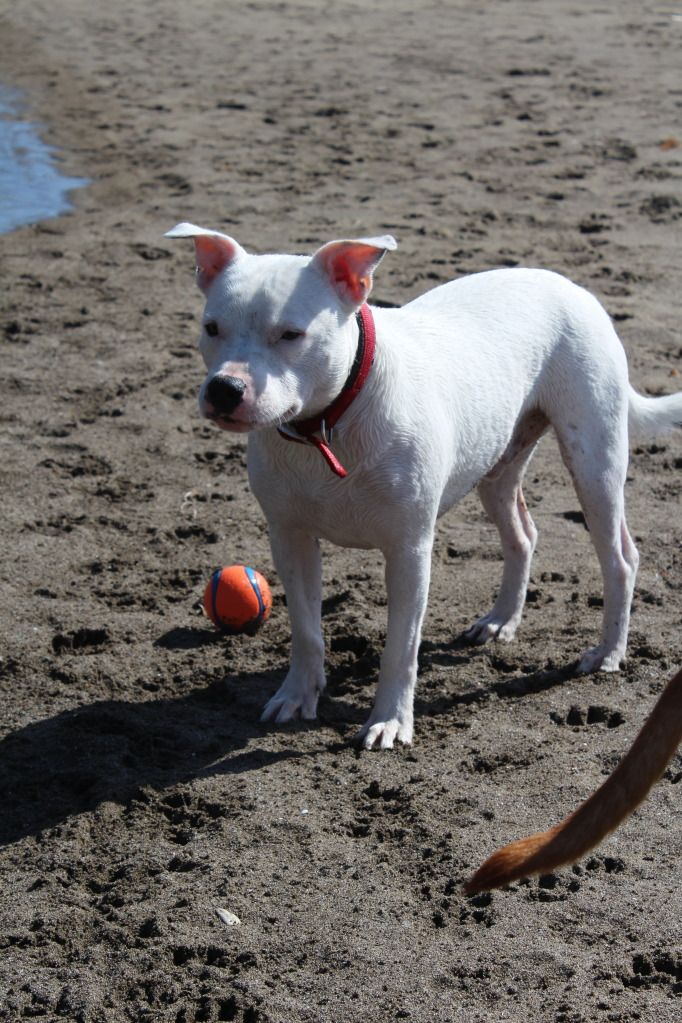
column 317, row 429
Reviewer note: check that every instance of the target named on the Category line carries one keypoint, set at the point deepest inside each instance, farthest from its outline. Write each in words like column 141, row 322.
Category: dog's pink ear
column 349, row 265
column 214, row 251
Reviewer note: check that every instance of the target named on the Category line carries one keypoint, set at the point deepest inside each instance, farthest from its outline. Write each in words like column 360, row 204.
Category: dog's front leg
column 297, row 560
column 407, row 584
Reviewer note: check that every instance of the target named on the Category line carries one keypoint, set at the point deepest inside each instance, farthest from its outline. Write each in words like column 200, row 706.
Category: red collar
column 317, row 430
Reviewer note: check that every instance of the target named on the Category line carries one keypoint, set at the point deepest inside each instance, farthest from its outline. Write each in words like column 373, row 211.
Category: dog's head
column 277, row 332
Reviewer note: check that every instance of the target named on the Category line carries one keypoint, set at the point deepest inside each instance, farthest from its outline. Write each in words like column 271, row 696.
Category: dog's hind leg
column 503, row 500
column 599, row 470
column 619, row 560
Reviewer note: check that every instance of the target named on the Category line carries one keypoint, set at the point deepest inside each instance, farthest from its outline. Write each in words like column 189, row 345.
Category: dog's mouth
column 233, row 425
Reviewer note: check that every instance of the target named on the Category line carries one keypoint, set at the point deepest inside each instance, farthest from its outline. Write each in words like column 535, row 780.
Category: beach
column 140, row 792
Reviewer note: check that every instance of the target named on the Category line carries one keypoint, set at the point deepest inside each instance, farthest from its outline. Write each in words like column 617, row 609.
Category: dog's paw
column 597, row 659
column 291, row 701
column 489, row 627
column 382, row 734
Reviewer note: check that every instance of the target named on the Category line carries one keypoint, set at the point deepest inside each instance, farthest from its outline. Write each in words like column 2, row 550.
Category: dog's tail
column 603, row 811
column 651, row 417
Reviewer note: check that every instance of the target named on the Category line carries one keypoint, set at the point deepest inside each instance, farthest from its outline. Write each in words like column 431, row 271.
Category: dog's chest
column 330, row 511
column 297, row 489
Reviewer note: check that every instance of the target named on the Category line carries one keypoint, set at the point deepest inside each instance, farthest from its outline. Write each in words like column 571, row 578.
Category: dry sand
column 140, row 792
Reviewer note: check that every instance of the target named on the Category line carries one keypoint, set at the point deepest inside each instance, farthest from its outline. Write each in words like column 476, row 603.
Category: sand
column 140, row 793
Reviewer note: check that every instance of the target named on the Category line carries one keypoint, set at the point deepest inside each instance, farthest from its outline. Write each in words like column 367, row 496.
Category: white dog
column 450, row 392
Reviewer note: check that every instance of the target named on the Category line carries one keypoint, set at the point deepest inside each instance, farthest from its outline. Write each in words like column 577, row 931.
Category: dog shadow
column 348, row 697
column 460, row 652
column 112, row 750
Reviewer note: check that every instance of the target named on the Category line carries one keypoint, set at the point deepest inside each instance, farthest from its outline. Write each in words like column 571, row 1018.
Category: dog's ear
column 214, row 251
column 349, row 265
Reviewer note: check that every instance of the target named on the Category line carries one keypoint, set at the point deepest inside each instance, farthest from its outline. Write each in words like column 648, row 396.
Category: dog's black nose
column 225, row 393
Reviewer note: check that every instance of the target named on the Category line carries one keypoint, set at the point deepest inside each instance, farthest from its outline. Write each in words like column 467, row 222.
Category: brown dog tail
column 603, row 811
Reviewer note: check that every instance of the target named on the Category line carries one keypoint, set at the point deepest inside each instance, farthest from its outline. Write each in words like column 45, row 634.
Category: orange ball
column 237, row 599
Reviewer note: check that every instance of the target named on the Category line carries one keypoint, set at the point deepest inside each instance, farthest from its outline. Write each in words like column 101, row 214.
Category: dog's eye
column 291, row 335
column 211, row 328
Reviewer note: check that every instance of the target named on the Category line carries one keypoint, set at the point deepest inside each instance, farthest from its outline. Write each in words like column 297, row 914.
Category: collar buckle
column 326, row 433
column 289, row 430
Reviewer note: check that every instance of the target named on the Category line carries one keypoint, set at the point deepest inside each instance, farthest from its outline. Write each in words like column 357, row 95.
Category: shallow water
column 32, row 187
